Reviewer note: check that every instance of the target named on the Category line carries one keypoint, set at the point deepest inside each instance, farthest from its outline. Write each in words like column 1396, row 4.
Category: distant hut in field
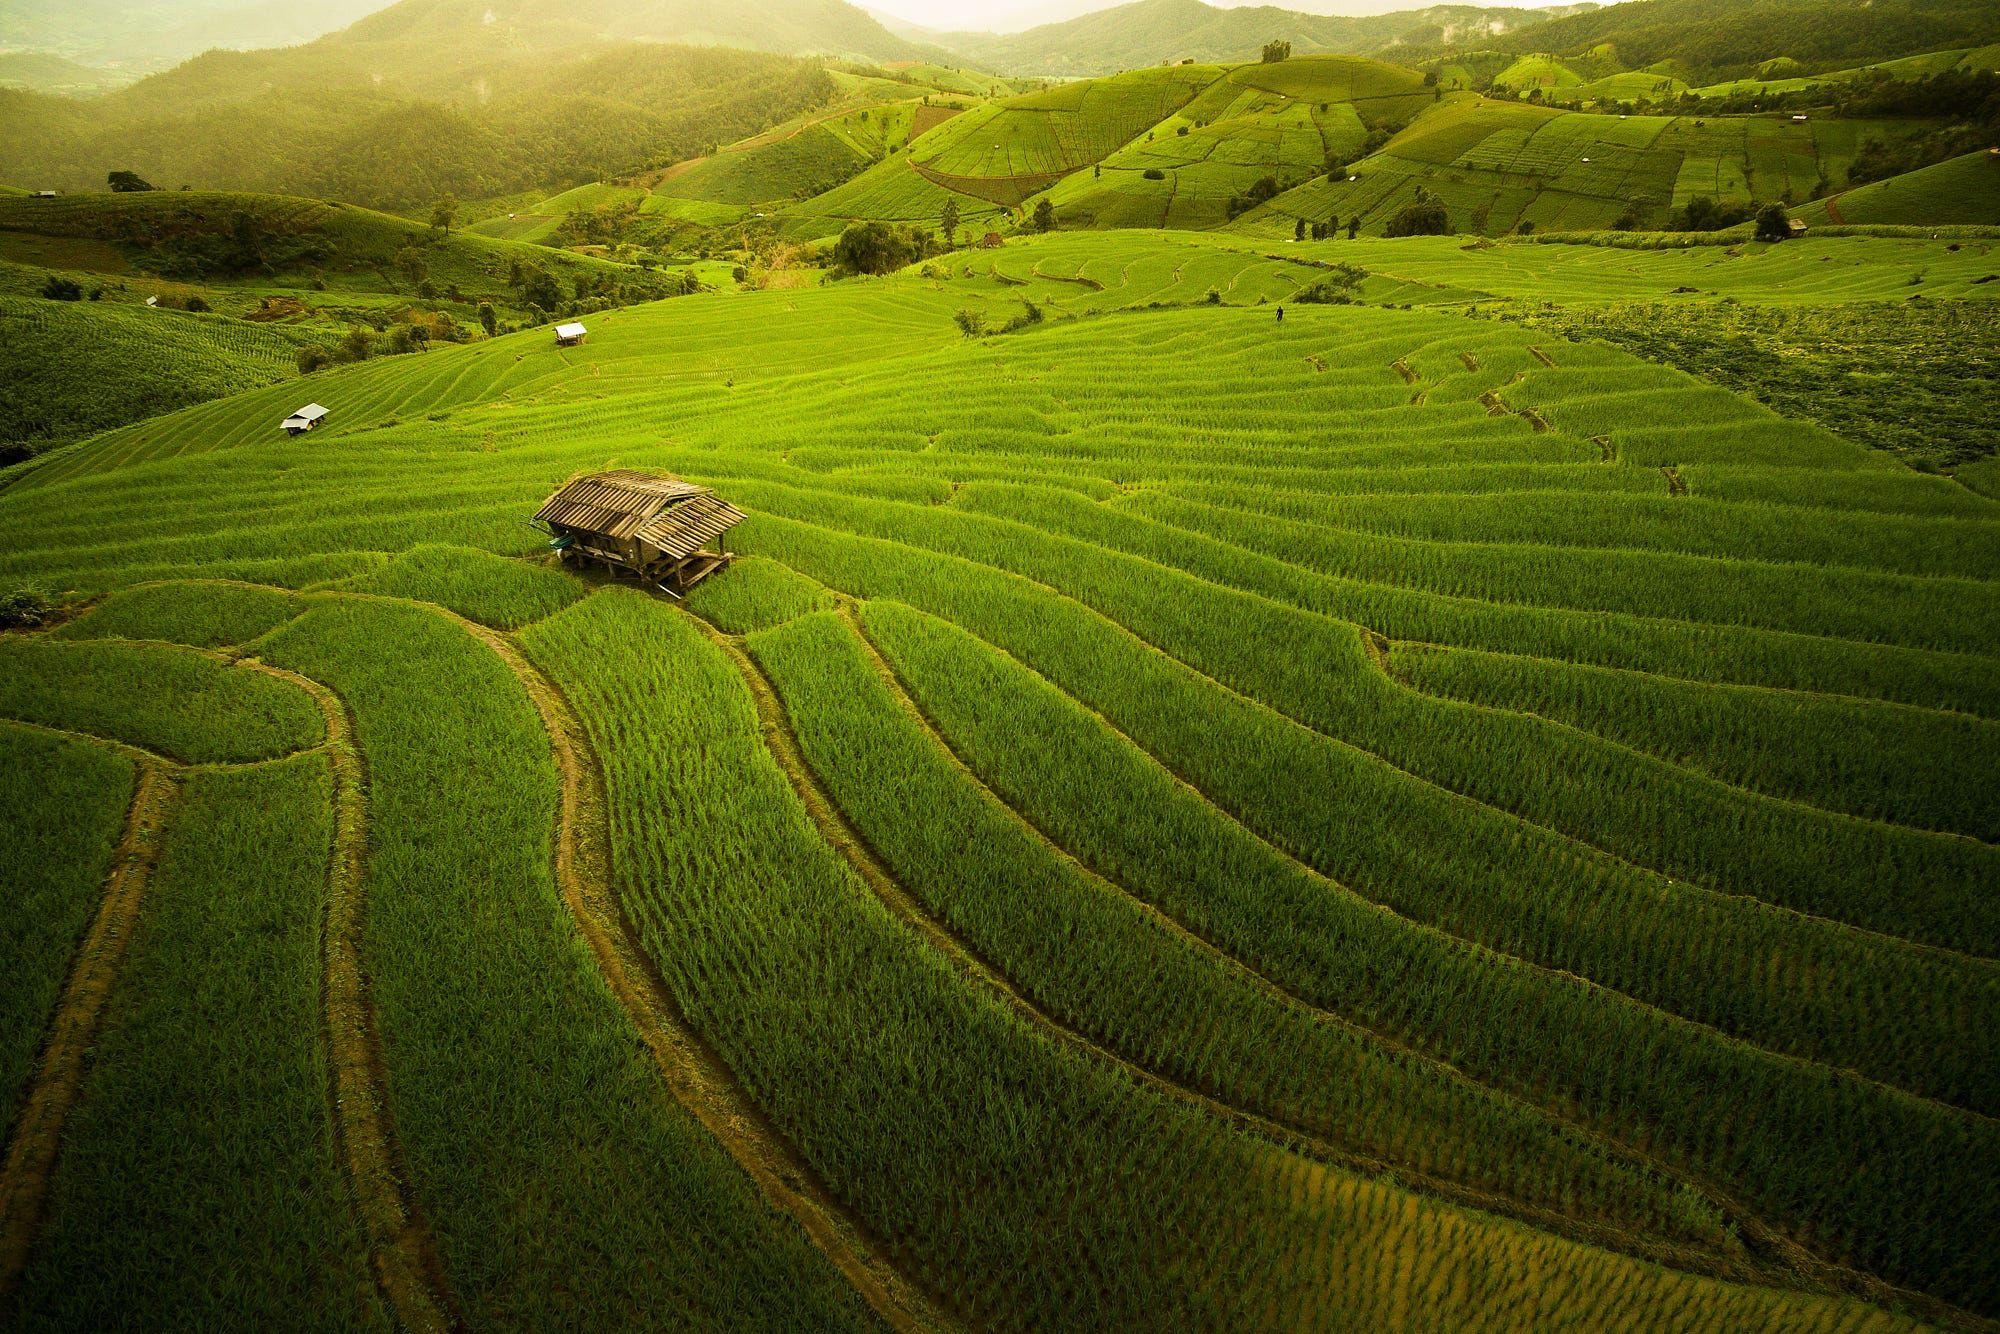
column 1795, row 227
column 305, row 419
column 45, row 194
column 569, row 335
column 991, row 241
column 651, row 523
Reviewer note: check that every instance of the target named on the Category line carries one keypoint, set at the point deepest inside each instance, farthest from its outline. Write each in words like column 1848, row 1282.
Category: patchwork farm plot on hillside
column 1167, row 818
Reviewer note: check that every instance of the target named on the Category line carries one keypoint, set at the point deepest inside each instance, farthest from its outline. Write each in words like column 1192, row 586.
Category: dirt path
column 58, row 1079
column 695, row 1075
column 401, row 1253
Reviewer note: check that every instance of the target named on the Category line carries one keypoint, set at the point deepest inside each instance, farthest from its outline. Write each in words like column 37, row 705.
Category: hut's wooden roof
column 658, row 509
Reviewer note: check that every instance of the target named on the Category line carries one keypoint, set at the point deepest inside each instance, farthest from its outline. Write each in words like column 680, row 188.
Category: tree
column 970, row 323
column 247, row 241
column 1353, row 226
column 1299, row 230
column 1045, row 215
column 411, row 261
column 1773, row 224
column 878, row 247
column 444, row 213
column 948, row 224
column 126, row 183
column 540, row 288
column 1424, row 216
column 488, row 319
column 1430, row 78
column 354, row 347
column 1277, row 51
column 313, row 357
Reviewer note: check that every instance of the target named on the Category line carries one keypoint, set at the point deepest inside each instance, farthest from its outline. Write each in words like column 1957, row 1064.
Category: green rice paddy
column 1413, row 815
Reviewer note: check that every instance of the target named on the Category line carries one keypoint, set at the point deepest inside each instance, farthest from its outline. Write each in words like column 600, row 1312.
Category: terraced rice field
column 1498, row 165
column 1384, row 820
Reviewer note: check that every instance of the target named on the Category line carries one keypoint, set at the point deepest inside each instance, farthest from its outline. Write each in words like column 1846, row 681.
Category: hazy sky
column 1011, row 15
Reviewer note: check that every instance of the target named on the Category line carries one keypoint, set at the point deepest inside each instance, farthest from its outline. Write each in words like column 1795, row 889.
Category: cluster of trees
column 415, row 332
column 1262, row 191
column 194, row 243
column 1967, row 102
column 1326, row 231
column 1425, row 215
column 1336, row 289
column 881, row 247
column 1277, row 52
column 1702, row 214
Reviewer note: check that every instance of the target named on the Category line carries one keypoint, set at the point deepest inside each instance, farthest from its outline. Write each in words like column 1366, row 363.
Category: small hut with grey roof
column 651, row 523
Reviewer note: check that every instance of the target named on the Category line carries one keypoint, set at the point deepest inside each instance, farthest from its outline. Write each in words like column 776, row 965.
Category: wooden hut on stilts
column 650, row 523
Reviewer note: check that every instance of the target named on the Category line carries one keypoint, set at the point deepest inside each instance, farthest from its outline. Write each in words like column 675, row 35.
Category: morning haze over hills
column 765, row 666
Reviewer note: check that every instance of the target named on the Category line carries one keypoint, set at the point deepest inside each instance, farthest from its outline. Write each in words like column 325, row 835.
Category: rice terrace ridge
column 781, row 666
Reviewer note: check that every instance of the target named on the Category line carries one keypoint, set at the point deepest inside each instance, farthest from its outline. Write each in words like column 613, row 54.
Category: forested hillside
column 315, row 120
column 1707, row 40
column 1152, row 31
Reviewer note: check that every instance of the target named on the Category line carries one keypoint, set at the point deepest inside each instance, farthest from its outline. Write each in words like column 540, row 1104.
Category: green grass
column 182, row 705
column 1498, row 164
column 1339, row 700
column 65, row 801
column 476, row 584
column 582, row 1195
column 205, row 1115
column 1962, row 190
column 1893, row 374
column 1253, row 122
column 1540, row 71
column 204, row 615
column 757, row 595
column 79, row 368
column 352, row 248
column 1106, row 964
column 856, row 1038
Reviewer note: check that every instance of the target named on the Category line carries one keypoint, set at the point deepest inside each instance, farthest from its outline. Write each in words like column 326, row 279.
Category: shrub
column 23, row 607
column 62, row 289
column 1336, row 289
column 1031, row 314
column 196, row 305
column 970, row 323
column 1154, row 174
column 313, row 357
